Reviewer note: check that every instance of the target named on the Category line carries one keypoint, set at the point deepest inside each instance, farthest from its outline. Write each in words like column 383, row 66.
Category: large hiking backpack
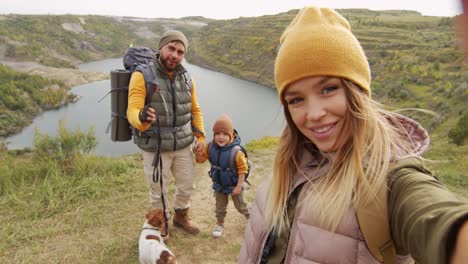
column 232, row 159
column 135, row 59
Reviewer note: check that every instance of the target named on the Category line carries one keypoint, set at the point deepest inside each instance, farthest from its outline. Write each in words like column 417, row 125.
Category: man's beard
column 166, row 65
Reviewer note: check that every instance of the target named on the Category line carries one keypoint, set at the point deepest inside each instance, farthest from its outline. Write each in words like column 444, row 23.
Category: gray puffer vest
column 172, row 101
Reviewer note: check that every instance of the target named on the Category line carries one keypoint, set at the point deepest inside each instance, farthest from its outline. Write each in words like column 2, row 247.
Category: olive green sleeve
column 422, row 212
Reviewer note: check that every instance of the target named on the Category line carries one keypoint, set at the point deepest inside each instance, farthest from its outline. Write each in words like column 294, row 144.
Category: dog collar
column 151, row 228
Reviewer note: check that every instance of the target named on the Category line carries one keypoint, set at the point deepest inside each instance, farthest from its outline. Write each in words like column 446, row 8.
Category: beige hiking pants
column 181, row 164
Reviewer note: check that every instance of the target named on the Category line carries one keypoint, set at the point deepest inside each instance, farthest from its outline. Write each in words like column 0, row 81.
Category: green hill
column 57, row 44
column 414, row 59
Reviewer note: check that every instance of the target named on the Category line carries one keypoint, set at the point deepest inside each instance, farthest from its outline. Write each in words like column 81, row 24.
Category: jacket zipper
column 174, row 111
column 289, row 240
column 259, row 253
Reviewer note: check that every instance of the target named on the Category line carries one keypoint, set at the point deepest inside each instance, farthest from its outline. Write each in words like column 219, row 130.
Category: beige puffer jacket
column 419, row 225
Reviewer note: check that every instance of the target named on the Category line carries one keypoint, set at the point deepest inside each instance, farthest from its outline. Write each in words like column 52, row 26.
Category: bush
column 65, row 147
column 263, row 143
column 458, row 134
column 59, row 174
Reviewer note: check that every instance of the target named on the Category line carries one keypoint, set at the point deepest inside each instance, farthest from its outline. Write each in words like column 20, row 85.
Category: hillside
column 414, row 59
column 46, row 49
column 67, row 40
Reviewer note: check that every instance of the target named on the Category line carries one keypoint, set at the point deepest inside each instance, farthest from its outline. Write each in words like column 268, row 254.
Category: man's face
column 171, row 55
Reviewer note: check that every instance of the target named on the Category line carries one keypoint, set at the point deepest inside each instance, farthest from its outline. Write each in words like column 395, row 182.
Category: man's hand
column 147, row 114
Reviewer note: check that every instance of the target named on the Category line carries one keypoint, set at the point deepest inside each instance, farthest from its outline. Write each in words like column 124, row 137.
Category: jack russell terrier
column 151, row 246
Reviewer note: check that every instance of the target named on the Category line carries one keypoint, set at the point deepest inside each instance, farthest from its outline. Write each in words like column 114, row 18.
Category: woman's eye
column 329, row 89
column 293, row 100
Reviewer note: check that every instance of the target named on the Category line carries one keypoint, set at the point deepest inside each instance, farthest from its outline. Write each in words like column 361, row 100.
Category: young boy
column 226, row 180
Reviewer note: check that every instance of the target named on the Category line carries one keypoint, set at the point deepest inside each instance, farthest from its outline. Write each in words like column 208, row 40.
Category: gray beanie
column 173, row 35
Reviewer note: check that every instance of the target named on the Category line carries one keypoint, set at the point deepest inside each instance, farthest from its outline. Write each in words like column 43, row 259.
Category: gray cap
column 173, row 35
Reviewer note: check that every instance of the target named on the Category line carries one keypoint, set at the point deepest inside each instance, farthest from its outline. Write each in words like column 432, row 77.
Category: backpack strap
column 375, row 226
column 232, row 158
column 374, row 221
column 150, row 81
column 188, row 80
column 210, row 150
column 232, row 161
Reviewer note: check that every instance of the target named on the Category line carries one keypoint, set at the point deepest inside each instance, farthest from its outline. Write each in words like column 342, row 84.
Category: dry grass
column 107, row 230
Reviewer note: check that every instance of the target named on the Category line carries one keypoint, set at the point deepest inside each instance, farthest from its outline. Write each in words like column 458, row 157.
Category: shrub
column 458, row 134
column 67, row 146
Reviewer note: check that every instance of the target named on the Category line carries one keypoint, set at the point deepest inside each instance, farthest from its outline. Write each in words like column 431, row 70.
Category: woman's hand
column 460, row 253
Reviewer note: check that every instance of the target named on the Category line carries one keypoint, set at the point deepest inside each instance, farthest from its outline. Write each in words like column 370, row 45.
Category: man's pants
column 181, row 164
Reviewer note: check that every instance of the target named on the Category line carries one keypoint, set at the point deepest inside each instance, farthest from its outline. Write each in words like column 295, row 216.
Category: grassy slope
column 106, row 228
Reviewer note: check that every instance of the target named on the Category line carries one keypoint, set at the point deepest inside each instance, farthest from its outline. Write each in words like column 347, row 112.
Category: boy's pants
column 222, row 203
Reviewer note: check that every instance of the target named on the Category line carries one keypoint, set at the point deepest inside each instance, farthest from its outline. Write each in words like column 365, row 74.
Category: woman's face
column 318, row 107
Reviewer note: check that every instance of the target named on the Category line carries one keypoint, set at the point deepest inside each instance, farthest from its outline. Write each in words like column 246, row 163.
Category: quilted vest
column 172, row 101
column 224, row 178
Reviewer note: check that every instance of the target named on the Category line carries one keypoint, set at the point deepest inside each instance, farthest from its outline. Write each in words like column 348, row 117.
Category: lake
column 255, row 109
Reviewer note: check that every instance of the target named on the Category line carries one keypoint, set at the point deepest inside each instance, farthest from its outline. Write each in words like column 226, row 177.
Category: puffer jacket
column 223, row 176
column 419, row 223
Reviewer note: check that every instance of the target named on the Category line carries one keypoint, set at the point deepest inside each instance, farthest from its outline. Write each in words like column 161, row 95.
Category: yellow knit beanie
column 319, row 42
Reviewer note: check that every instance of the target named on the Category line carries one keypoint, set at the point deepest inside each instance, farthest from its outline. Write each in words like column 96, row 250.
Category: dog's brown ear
column 148, row 215
column 156, row 222
column 166, row 258
column 156, row 218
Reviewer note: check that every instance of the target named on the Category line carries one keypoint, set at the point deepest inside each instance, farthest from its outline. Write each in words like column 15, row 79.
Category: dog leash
column 157, row 173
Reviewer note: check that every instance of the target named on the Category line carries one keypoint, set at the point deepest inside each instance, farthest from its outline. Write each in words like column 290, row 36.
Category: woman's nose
column 315, row 110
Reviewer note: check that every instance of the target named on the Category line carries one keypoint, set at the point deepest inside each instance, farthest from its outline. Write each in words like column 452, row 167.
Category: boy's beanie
column 173, row 35
column 224, row 124
column 319, row 42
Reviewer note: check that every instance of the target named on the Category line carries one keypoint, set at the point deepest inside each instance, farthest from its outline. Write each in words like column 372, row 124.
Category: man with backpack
column 166, row 127
column 229, row 170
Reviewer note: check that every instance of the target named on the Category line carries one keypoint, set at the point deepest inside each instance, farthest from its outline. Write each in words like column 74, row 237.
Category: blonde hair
column 375, row 138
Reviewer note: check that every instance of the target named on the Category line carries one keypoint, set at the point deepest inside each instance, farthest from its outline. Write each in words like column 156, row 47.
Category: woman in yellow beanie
column 349, row 184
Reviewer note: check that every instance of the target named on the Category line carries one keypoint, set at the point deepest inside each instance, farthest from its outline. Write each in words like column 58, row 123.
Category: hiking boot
column 182, row 220
column 218, row 231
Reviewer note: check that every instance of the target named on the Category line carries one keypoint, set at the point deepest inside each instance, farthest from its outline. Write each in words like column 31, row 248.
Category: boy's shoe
column 218, row 231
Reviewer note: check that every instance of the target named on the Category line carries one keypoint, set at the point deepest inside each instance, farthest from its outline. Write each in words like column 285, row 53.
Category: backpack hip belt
column 154, row 131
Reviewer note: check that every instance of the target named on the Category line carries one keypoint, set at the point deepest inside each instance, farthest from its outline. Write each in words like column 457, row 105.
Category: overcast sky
column 215, row 9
